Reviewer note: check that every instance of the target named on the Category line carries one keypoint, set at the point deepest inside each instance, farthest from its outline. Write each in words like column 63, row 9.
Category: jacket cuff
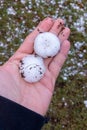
column 16, row 117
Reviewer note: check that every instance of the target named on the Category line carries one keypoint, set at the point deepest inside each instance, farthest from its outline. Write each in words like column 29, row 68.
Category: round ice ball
column 46, row 44
column 32, row 68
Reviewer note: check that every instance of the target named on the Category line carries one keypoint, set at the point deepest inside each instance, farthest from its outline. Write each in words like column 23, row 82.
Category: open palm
column 35, row 96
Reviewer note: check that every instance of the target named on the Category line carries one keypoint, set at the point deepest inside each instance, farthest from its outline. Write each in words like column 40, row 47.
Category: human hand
column 35, row 96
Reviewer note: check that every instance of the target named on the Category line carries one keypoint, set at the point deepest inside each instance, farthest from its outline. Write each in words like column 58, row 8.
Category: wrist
column 15, row 116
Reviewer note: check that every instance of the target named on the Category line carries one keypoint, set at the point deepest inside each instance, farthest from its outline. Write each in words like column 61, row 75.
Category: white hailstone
column 85, row 102
column 32, row 68
column 46, row 45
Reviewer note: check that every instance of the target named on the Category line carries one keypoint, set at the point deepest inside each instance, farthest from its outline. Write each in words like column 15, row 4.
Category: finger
column 27, row 46
column 64, row 34
column 57, row 27
column 58, row 61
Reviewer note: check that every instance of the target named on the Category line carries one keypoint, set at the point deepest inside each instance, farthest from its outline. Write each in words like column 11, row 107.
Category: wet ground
column 68, row 109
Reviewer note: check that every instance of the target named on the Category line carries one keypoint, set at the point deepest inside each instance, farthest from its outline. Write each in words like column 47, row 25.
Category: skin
column 36, row 96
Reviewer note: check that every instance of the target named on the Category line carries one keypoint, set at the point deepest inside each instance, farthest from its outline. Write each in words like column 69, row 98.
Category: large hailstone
column 32, row 68
column 46, row 45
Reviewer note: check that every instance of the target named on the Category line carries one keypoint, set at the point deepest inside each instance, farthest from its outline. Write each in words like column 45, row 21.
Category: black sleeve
column 16, row 117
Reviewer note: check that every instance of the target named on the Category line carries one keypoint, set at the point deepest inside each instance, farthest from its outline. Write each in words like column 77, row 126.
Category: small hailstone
column 85, row 102
column 32, row 68
column 46, row 45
